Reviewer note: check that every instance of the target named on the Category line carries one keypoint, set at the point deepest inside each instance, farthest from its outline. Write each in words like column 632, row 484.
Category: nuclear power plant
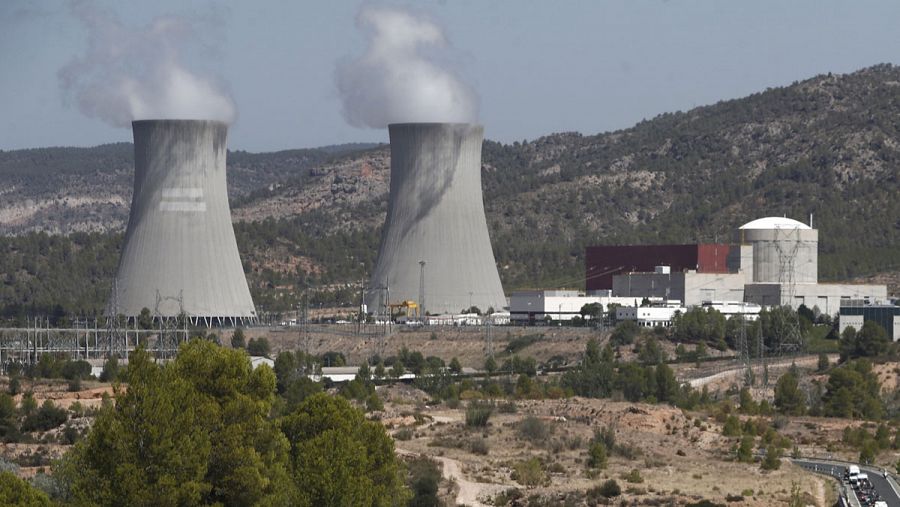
column 180, row 255
column 772, row 262
column 435, row 248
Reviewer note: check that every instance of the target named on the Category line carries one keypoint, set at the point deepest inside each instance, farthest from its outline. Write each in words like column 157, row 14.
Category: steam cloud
column 133, row 74
column 394, row 82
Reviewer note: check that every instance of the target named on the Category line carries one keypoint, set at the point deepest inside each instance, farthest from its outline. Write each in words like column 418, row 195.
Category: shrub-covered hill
column 829, row 146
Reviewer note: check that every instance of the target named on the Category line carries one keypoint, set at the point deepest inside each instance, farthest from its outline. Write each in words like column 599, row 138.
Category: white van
column 853, row 474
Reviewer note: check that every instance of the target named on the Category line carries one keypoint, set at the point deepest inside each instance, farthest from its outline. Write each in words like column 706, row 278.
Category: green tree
column 823, row 363
column 597, row 455
column 15, row 492
column 237, row 339
column 592, row 311
column 625, row 333
column 490, row 366
column 703, row 325
column 650, row 351
column 747, row 404
column 397, row 370
column 110, row 371
column 193, row 431
column 145, row 319
column 788, row 397
column 745, row 450
column 666, row 385
column 732, row 427
column 339, row 458
column 772, row 459
column 258, row 347
column 853, row 391
column 455, row 366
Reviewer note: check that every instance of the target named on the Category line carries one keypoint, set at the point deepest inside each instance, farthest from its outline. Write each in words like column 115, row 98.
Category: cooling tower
column 436, row 215
column 180, row 253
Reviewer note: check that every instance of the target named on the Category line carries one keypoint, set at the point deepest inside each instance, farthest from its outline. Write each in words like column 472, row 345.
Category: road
column 884, row 488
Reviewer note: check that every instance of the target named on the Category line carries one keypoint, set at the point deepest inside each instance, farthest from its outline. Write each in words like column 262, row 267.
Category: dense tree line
column 199, row 431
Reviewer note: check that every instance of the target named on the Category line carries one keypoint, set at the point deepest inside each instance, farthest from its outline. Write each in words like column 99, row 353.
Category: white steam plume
column 135, row 73
column 394, row 82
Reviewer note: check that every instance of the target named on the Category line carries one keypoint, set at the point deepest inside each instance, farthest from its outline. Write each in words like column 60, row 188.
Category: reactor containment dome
column 435, row 247
column 784, row 250
column 180, row 254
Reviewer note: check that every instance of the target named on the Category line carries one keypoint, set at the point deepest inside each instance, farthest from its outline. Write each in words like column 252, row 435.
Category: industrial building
column 435, row 248
column 560, row 305
column 773, row 262
column 691, row 287
column 855, row 313
column 650, row 316
column 785, row 268
column 180, row 255
column 604, row 262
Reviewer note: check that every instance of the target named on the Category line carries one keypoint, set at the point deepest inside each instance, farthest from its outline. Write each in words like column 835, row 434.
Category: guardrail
column 890, row 477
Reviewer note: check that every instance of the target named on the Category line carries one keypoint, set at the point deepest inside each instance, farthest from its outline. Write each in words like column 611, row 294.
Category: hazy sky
column 537, row 66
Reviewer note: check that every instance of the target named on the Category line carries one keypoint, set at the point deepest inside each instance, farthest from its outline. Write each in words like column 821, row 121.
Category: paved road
column 884, row 488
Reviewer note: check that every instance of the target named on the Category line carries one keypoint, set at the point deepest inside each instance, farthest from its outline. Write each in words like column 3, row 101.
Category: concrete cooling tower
column 180, row 253
column 436, row 216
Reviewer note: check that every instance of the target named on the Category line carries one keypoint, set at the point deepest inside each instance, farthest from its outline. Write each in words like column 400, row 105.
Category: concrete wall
column 700, row 287
column 180, row 241
column 436, row 215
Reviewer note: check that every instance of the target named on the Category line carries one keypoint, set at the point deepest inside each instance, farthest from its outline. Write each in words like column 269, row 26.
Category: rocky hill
column 829, row 146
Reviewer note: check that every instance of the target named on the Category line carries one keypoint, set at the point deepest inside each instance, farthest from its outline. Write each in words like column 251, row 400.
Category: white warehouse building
column 538, row 305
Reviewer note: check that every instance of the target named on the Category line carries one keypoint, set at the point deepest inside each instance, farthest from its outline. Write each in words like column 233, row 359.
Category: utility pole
column 422, row 291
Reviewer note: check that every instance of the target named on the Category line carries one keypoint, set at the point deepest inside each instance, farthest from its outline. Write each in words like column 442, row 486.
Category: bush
column 237, row 339
column 110, row 370
column 478, row 413
column 403, row 434
column 624, row 333
column 508, row 407
column 15, row 386
column 258, row 347
column 521, row 342
column 634, row 476
column 479, row 446
column 597, row 455
column 529, row 473
column 424, row 480
column 72, row 370
column 47, row 417
column 15, row 491
column 772, row 461
column 533, row 429
column 609, row 489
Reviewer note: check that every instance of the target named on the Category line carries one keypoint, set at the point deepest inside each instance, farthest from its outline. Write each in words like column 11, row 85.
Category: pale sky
column 538, row 66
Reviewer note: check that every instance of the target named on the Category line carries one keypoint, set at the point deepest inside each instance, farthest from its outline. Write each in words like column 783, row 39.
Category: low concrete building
column 749, row 311
column 649, row 316
column 537, row 305
column 690, row 287
column 855, row 313
column 827, row 297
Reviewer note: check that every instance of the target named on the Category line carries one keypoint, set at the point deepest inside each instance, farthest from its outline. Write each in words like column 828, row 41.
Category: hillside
column 829, row 146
